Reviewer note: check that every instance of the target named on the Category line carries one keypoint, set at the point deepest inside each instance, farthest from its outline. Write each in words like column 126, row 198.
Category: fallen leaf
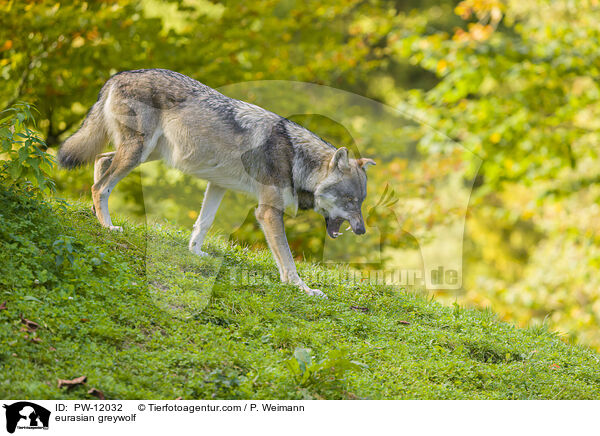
column 31, row 326
column 52, row 348
column 84, row 320
column 179, row 398
column 70, row 383
column 3, row 306
column 96, row 393
column 360, row 309
column 36, row 340
column 404, row 322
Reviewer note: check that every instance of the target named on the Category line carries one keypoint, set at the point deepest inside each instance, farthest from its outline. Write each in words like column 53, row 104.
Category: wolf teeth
column 349, row 228
column 336, row 234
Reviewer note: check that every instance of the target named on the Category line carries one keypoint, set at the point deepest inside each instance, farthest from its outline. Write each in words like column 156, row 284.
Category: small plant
column 307, row 371
column 64, row 248
column 22, row 150
column 226, row 382
column 456, row 310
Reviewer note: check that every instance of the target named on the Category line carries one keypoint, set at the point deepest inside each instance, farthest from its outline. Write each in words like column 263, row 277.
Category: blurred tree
column 516, row 84
column 57, row 55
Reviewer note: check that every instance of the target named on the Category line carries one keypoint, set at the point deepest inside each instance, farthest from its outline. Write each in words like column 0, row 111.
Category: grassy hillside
column 140, row 317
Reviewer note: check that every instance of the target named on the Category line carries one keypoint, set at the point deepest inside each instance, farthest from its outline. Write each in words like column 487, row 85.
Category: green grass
column 142, row 317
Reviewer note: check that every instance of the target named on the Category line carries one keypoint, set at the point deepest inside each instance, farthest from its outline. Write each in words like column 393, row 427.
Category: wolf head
column 340, row 194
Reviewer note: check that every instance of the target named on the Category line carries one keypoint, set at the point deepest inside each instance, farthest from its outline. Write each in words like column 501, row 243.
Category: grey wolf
column 160, row 114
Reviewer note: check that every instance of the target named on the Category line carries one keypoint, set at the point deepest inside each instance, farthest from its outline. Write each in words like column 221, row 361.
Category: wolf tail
column 87, row 142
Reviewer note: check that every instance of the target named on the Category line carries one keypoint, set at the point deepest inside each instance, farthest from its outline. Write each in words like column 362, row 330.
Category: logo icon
column 26, row 415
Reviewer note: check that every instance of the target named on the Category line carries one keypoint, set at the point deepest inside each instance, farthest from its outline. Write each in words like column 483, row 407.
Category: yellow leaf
column 442, row 65
column 78, row 42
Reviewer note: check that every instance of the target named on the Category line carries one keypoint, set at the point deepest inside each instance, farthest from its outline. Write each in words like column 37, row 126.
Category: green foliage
column 515, row 89
column 24, row 158
column 131, row 327
column 63, row 248
column 58, row 55
column 308, row 371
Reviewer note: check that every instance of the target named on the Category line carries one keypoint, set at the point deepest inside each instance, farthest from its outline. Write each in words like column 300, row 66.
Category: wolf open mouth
column 333, row 226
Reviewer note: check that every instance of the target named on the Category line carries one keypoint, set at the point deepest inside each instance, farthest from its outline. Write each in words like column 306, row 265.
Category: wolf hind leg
column 101, row 164
column 212, row 199
column 109, row 170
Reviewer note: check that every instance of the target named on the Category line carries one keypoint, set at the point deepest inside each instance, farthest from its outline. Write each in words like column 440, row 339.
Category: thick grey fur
column 160, row 114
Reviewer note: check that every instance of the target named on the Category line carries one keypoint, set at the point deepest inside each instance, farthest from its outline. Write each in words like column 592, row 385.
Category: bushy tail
column 87, row 142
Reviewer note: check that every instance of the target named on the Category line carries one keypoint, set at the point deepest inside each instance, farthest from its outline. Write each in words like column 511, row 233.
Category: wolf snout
column 358, row 227
column 359, row 230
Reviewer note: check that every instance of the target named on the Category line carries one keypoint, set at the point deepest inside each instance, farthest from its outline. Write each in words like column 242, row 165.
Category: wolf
column 155, row 114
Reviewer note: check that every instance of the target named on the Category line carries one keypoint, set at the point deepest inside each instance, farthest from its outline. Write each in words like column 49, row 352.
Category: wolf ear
column 364, row 162
column 340, row 159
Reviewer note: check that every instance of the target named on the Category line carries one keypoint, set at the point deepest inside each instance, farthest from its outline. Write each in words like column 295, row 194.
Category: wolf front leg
column 271, row 221
column 210, row 205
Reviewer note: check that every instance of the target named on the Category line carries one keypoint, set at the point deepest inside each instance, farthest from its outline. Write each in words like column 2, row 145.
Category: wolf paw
column 316, row 293
column 197, row 251
column 115, row 228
